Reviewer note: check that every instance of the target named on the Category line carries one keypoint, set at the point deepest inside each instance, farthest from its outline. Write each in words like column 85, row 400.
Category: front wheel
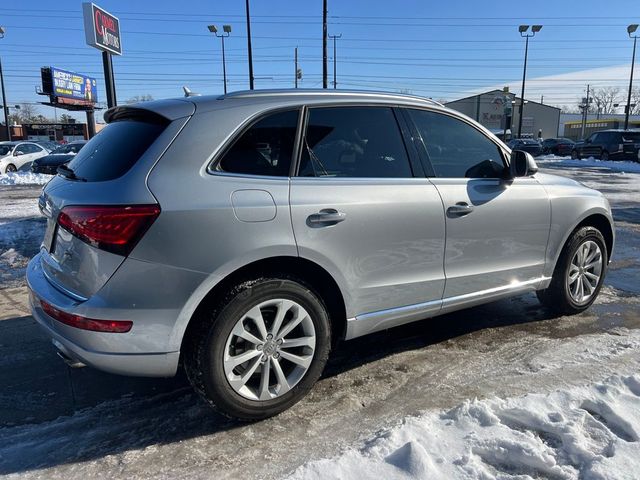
column 261, row 349
column 579, row 273
column 575, row 155
column 11, row 168
column 604, row 156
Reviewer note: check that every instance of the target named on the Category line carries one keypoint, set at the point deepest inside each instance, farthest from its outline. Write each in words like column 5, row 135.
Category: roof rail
column 318, row 91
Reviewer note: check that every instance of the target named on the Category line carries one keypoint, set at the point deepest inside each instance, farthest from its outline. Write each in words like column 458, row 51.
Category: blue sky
column 439, row 49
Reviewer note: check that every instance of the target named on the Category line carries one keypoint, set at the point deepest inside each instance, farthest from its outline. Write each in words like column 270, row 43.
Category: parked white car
column 16, row 156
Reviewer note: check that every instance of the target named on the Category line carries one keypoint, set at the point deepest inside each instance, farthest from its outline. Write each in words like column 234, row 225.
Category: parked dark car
column 557, row 146
column 59, row 156
column 609, row 145
column 526, row 145
column 47, row 144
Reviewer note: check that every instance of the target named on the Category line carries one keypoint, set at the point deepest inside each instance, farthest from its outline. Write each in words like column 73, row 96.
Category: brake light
column 77, row 321
column 115, row 229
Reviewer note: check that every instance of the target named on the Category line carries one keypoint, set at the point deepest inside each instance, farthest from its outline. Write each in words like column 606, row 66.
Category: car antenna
column 189, row 93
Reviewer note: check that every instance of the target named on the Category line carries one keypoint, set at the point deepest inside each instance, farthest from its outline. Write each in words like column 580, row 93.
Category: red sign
column 102, row 30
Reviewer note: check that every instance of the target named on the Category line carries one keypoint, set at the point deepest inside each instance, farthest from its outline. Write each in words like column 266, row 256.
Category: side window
column 456, row 149
column 33, row 148
column 362, row 142
column 595, row 138
column 265, row 148
column 22, row 148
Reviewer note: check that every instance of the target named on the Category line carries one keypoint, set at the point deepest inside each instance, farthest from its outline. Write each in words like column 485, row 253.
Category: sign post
column 102, row 31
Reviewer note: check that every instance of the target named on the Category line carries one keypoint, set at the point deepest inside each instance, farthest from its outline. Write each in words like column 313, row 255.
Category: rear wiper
column 69, row 173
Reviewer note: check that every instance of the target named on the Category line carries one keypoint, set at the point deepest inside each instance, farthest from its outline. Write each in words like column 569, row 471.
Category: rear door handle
column 460, row 209
column 326, row 217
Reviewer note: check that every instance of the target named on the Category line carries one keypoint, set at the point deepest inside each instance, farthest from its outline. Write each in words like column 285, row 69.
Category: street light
column 4, row 95
column 523, row 29
column 226, row 29
column 631, row 29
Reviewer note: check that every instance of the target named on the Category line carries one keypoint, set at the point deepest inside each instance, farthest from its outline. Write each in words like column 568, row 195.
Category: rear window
column 113, row 151
column 631, row 137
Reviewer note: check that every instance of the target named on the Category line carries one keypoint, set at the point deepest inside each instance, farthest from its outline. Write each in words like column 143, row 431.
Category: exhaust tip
column 72, row 362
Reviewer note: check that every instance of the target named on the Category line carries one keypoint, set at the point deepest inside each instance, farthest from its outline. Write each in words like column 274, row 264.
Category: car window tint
column 363, row 142
column 456, row 149
column 22, row 148
column 115, row 149
column 266, row 148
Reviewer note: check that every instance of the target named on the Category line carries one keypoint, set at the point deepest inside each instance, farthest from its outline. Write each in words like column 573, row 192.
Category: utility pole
column 334, row 37
column 295, row 71
column 249, row 47
column 630, row 30
column 585, row 112
column 542, row 99
column 4, row 96
column 523, row 29
column 324, row 44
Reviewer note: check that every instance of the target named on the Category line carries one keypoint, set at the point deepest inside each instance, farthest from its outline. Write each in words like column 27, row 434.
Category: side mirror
column 521, row 164
column 17, row 153
column 588, row 140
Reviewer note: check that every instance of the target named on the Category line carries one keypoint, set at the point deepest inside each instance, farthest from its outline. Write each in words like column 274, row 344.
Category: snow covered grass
column 589, row 432
column 24, row 178
column 619, row 166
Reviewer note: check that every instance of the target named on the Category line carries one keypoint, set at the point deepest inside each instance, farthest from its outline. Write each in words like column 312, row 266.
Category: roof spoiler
column 157, row 110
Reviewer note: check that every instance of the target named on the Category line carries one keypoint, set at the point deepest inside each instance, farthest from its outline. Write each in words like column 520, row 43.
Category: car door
column 363, row 211
column 22, row 155
column 497, row 229
column 592, row 146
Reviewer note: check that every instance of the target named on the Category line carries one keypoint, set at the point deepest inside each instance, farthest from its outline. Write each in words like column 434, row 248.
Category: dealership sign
column 101, row 29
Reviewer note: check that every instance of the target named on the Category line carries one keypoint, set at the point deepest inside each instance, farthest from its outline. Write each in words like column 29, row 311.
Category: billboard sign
column 74, row 86
column 101, row 29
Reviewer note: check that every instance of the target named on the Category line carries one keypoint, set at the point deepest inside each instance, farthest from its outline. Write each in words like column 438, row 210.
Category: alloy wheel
column 269, row 350
column 583, row 274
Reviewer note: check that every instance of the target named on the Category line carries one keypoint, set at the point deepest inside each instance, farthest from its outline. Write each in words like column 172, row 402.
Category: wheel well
column 311, row 273
column 602, row 224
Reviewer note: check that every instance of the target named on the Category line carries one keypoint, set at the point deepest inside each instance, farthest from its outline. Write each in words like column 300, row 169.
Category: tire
column 559, row 295
column 11, row 168
column 604, row 156
column 214, row 343
column 575, row 155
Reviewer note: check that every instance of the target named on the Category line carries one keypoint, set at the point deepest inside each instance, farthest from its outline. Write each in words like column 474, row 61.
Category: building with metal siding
column 498, row 111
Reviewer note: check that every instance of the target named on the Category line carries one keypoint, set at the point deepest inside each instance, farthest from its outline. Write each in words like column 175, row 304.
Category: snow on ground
column 24, row 178
column 588, row 433
column 615, row 166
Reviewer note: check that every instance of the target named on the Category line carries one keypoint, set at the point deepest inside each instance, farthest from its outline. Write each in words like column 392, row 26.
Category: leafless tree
column 604, row 98
column 140, row 98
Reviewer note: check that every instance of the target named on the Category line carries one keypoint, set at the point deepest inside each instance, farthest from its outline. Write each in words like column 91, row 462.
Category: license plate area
column 50, row 236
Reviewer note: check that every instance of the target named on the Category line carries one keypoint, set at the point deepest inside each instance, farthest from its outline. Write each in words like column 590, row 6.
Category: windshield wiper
column 69, row 173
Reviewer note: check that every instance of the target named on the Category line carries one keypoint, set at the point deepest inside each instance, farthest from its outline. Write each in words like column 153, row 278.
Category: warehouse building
column 498, row 111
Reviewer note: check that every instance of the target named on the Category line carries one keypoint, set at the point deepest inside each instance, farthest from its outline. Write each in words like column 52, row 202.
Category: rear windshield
column 113, row 151
column 631, row 137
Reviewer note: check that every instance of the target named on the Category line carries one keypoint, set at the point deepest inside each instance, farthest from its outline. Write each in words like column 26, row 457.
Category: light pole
column 249, row 54
column 631, row 30
column 226, row 31
column 4, row 95
column 334, row 37
column 523, row 33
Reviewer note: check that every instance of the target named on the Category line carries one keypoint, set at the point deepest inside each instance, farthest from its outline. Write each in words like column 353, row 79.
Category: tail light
column 115, row 229
column 77, row 321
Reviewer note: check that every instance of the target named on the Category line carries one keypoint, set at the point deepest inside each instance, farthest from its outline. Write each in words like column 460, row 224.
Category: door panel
column 389, row 246
column 501, row 241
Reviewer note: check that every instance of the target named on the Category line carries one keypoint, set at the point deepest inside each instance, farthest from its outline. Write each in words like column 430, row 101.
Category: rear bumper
column 75, row 344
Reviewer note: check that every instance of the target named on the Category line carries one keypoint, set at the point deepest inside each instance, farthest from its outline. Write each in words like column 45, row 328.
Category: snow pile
column 619, row 166
column 24, row 178
column 584, row 432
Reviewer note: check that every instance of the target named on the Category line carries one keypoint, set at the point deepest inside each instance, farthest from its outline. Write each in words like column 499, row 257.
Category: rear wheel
column 575, row 155
column 261, row 349
column 11, row 168
column 579, row 273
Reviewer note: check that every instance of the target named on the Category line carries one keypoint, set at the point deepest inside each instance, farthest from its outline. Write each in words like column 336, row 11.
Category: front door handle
column 460, row 209
column 326, row 217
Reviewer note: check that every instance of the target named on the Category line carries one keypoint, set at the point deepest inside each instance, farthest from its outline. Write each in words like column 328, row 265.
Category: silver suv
column 243, row 235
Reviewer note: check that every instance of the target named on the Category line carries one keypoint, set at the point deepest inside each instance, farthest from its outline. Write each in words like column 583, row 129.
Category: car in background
column 528, row 145
column 61, row 155
column 557, row 146
column 19, row 155
column 47, row 144
column 609, row 145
